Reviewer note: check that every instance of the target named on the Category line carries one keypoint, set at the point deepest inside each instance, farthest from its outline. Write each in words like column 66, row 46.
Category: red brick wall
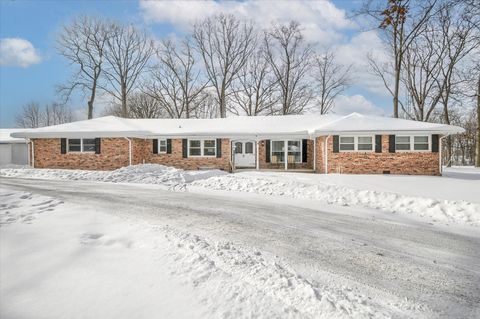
column 176, row 157
column 411, row 163
column 114, row 154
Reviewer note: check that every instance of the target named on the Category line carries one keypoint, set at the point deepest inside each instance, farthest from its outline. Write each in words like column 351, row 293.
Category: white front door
column 244, row 153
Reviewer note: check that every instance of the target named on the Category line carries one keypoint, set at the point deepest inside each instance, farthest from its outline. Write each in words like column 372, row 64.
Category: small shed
column 13, row 151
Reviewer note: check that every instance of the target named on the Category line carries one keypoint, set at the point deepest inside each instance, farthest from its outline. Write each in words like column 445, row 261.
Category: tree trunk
column 477, row 157
column 124, row 101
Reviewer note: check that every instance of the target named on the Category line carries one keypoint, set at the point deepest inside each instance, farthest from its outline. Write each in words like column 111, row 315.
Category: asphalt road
column 434, row 269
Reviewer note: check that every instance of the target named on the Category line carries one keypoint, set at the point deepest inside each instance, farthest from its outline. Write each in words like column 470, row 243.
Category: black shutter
column 97, row 145
column 219, row 147
column 63, row 146
column 435, row 144
column 378, row 143
column 155, row 146
column 184, row 148
column 336, row 144
column 304, row 151
column 169, row 146
column 267, row 151
column 391, row 143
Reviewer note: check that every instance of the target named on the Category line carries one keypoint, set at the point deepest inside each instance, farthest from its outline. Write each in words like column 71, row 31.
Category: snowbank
column 145, row 174
column 304, row 187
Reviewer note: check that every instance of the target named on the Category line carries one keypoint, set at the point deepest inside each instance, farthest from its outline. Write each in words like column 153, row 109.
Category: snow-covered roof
column 5, row 137
column 238, row 126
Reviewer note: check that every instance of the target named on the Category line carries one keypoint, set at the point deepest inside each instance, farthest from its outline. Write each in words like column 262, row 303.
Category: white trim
column 412, row 144
column 202, row 147
column 129, row 151
column 81, row 145
column 257, row 157
column 355, row 144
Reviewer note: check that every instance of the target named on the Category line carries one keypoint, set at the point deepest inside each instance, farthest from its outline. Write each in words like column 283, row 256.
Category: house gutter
column 129, row 151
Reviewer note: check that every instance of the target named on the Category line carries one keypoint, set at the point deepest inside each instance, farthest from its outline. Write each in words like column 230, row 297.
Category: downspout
column 326, row 154
column 129, row 151
column 31, row 156
column 440, row 168
column 314, row 154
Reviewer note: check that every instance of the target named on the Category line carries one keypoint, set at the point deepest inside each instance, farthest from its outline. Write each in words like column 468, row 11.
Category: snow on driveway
column 452, row 199
column 62, row 260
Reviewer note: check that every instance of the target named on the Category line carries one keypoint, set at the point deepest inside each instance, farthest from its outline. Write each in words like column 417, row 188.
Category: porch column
column 257, row 156
column 285, row 153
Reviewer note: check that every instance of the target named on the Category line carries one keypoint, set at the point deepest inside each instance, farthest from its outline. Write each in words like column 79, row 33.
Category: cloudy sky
column 30, row 67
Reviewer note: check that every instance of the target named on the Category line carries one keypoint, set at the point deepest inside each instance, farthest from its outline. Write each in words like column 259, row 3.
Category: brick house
column 354, row 144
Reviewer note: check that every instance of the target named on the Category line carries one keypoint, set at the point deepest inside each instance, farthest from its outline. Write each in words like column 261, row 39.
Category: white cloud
column 18, row 52
column 321, row 20
column 355, row 52
column 345, row 104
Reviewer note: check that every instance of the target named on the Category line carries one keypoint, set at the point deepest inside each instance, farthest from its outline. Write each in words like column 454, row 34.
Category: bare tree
column 176, row 84
column 82, row 43
column 331, row 80
column 127, row 53
column 56, row 113
column 255, row 91
column 225, row 44
column 33, row 115
column 143, row 106
column 290, row 59
column 30, row 117
column 402, row 21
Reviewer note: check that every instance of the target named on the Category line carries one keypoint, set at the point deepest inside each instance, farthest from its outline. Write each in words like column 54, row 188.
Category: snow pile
column 446, row 211
column 145, row 174
column 266, row 279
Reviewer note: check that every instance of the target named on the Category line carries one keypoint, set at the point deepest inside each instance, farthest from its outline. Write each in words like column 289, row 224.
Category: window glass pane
column 74, row 145
column 238, row 148
column 420, row 147
column 209, row 151
column 365, row 140
column 402, row 147
column 347, row 147
column 365, row 147
column 195, row 152
column 277, row 146
column 162, row 142
column 249, row 148
column 194, row 143
column 402, row 139
column 209, row 143
column 420, row 139
column 294, row 146
column 88, row 145
column 162, row 146
column 347, row 139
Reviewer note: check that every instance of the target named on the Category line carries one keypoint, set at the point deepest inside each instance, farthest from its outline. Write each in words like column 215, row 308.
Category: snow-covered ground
column 252, row 244
column 451, row 199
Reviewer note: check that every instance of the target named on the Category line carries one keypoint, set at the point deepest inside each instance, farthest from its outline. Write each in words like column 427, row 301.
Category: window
column 277, row 151
column 402, row 143
column 365, row 143
column 207, row 148
column 238, row 148
column 356, row 143
column 420, row 143
column 295, row 151
column 162, row 146
column 249, row 148
column 347, row 143
column 80, row 145
column 412, row 143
